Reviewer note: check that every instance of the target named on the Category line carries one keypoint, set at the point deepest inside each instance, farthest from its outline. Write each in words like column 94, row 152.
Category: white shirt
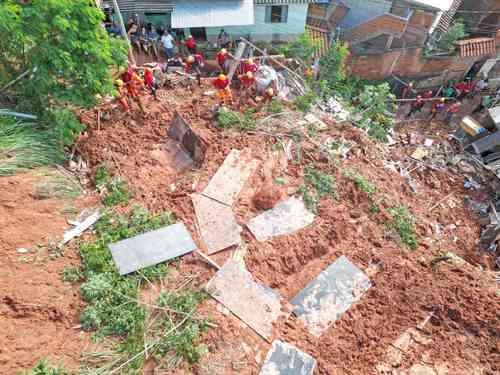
column 167, row 41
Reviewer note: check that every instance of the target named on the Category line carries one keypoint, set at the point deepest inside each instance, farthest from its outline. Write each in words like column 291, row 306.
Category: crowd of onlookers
column 447, row 101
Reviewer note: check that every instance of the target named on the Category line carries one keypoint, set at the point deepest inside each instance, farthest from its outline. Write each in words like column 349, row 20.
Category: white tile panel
column 212, row 13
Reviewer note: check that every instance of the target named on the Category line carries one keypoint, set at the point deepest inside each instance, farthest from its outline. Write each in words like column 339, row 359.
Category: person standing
column 167, row 40
column 221, row 83
column 222, row 56
column 416, row 106
column 451, row 110
column 191, row 44
column 223, row 39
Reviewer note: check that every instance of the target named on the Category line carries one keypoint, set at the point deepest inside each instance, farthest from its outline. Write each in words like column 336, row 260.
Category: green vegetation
column 332, row 67
column 43, row 367
column 230, row 119
column 454, row 33
column 24, row 146
column 303, row 47
column 115, row 190
column 317, row 185
column 65, row 57
column 56, row 185
column 275, row 106
column 361, row 182
column 168, row 328
column 71, row 274
column 402, row 224
column 304, row 102
column 375, row 103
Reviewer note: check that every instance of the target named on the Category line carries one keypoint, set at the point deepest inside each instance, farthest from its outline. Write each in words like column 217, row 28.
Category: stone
column 218, row 227
column 151, row 248
column 286, row 359
column 285, row 218
column 255, row 304
column 329, row 295
column 229, row 179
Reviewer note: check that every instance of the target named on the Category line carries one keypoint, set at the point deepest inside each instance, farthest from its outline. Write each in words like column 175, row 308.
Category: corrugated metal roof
column 212, row 13
column 142, row 6
column 476, row 47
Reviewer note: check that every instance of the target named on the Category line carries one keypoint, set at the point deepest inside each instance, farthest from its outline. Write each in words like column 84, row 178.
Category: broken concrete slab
column 151, row 248
column 286, row 359
column 285, row 218
column 255, row 304
column 181, row 131
column 81, row 227
column 329, row 295
column 217, row 223
column 229, row 179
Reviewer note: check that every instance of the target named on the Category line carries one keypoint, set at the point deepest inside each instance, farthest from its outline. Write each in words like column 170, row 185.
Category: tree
column 332, row 64
column 302, row 48
column 455, row 32
column 63, row 43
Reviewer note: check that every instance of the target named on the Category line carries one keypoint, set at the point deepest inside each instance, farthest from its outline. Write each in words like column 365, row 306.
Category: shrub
column 402, row 224
column 317, row 185
column 303, row 47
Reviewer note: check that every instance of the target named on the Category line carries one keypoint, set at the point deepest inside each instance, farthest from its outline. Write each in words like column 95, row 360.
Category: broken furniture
column 285, row 218
column 151, row 248
column 329, row 295
column 255, row 304
column 286, row 359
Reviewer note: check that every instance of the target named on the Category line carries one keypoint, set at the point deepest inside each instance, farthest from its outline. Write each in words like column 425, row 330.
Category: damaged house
column 389, row 38
column 259, row 20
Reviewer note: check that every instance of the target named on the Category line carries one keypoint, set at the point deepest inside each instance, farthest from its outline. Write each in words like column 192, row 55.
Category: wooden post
column 124, row 31
column 236, row 61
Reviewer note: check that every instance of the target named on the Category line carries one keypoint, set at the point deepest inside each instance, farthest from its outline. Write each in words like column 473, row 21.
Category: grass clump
column 402, row 223
column 275, row 106
column 71, row 274
column 24, row 146
column 230, row 119
column 317, row 185
column 361, row 182
column 114, row 307
column 115, row 190
column 57, row 185
column 305, row 102
column 43, row 367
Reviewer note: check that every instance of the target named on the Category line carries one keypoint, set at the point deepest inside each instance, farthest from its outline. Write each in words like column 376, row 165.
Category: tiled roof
column 323, row 36
column 476, row 47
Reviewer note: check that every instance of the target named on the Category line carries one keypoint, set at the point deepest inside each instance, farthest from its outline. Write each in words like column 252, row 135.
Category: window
column 276, row 13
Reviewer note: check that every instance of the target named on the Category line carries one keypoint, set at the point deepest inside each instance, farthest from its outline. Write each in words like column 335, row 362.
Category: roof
column 476, row 47
column 214, row 13
column 442, row 5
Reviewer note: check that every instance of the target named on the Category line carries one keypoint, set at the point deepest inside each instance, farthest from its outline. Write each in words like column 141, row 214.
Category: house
column 259, row 20
column 390, row 38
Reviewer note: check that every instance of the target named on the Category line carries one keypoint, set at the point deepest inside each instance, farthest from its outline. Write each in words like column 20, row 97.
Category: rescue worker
column 149, row 81
column 191, row 44
column 122, row 95
column 451, row 110
column 222, row 56
column 269, row 94
column 193, row 64
column 416, row 105
column 248, row 81
column 134, row 84
column 250, row 66
column 437, row 107
column 221, row 83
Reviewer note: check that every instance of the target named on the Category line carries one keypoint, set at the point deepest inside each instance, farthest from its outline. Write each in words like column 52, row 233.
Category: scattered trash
column 334, row 107
column 229, row 179
column 209, row 93
column 329, row 295
column 81, row 227
column 151, row 248
column 420, row 153
column 428, row 142
column 255, row 304
column 316, row 122
column 218, row 227
column 285, row 359
column 285, row 218
column 22, row 250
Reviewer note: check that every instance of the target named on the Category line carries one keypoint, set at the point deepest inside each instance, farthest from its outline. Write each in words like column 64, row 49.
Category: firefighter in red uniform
column 122, row 95
column 193, row 64
column 250, row 66
column 222, row 56
column 191, row 44
column 134, row 84
column 247, row 81
column 149, row 81
column 221, row 83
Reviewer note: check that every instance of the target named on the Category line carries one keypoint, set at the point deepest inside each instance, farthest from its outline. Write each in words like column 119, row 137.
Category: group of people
column 448, row 100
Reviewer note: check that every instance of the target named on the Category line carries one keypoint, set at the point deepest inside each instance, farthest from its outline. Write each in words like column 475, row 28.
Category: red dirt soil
column 38, row 311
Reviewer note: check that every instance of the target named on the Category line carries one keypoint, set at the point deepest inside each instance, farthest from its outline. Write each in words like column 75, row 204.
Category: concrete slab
column 329, row 295
column 181, row 131
column 229, row 179
column 286, row 359
column 151, row 248
column 218, row 227
column 255, row 304
column 285, row 218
